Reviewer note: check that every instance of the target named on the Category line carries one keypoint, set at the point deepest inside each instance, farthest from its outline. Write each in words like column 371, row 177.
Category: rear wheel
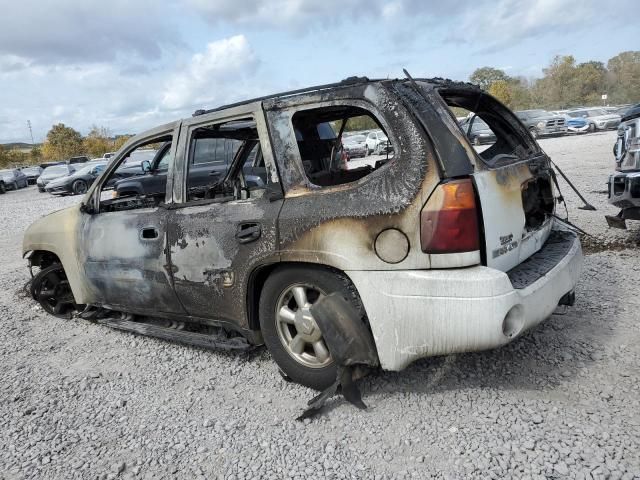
column 592, row 127
column 3, row 189
column 50, row 287
column 289, row 328
column 79, row 187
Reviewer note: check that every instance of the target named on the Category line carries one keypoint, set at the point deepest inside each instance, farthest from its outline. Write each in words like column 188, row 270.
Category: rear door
column 221, row 229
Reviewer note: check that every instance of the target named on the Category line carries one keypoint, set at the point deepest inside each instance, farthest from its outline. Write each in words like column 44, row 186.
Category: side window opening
column 140, row 180
column 495, row 137
column 340, row 144
column 222, row 162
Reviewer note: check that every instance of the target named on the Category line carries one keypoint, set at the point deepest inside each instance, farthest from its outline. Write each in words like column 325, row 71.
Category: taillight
column 449, row 220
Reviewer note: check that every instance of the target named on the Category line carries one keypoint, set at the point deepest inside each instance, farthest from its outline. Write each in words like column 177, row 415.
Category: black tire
column 51, row 289
column 15, row 186
column 592, row 127
column 3, row 189
column 79, row 187
column 278, row 283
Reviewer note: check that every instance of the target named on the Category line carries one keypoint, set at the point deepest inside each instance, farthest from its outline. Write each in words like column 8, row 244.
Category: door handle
column 248, row 232
column 149, row 233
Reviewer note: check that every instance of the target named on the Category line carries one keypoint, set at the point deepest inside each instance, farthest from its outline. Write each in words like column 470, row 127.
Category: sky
column 129, row 65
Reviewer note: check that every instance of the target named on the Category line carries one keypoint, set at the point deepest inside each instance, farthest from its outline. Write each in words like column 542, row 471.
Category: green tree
column 502, row 91
column 62, row 142
column 556, row 89
column 590, row 82
column 520, row 89
column 624, row 77
column 486, row 76
column 98, row 141
column 35, row 154
column 119, row 141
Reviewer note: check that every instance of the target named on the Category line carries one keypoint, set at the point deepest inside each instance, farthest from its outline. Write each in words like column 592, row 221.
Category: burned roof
column 437, row 82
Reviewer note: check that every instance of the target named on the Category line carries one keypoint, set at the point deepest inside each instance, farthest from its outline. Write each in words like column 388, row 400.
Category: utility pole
column 30, row 131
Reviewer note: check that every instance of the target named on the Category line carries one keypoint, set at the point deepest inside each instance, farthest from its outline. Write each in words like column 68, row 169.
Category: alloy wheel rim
column 297, row 328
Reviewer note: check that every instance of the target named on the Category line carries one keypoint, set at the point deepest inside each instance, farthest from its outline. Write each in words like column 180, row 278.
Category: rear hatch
column 512, row 176
column 516, row 202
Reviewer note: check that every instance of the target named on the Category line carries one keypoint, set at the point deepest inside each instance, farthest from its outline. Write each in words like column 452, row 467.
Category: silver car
column 599, row 118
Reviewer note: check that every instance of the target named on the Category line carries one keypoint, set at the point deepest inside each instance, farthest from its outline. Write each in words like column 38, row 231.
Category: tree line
column 63, row 142
column 567, row 84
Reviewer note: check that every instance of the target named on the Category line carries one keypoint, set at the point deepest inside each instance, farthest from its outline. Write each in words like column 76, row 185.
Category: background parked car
column 480, row 133
column 78, row 182
column 32, row 174
column 53, row 172
column 78, row 159
column 212, row 156
column 14, row 179
column 598, row 118
column 378, row 143
column 541, row 123
column 574, row 124
column 355, row 145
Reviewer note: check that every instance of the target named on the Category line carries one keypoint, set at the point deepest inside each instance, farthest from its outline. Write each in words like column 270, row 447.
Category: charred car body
column 624, row 185
column 438, row 249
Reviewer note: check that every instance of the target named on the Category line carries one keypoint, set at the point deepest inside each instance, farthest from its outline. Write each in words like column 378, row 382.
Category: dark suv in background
column 542, row 123
column 211, row 158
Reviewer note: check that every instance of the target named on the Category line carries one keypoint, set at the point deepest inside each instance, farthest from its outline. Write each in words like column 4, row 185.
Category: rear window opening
column 340, row 144
column 490, row 127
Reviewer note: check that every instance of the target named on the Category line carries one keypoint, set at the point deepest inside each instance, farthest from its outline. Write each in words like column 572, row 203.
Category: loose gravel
column 78, row 400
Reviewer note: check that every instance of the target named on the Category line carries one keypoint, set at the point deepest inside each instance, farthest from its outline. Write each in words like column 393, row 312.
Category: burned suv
column 432, row 250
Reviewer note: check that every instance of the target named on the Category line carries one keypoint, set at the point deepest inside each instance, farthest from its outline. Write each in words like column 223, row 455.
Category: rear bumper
column 422, row 313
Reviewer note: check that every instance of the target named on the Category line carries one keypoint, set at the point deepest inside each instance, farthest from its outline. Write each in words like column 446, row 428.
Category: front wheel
column 3, row 189
column 79, row 187
column 51, row 289
column 288, row 327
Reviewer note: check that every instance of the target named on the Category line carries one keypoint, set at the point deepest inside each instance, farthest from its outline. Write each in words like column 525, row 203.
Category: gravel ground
column 78, row 400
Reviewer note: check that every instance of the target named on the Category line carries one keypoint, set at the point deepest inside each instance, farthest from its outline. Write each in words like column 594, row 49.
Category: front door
column 222, row 231
column 124, row 247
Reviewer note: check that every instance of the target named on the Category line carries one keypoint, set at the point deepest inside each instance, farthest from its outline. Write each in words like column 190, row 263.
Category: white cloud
column 215, row 74
column 64, row 31
column 506, row 22
column 296, row 14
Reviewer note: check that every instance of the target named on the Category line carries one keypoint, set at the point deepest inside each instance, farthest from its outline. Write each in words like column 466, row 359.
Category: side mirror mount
column 146, row 166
